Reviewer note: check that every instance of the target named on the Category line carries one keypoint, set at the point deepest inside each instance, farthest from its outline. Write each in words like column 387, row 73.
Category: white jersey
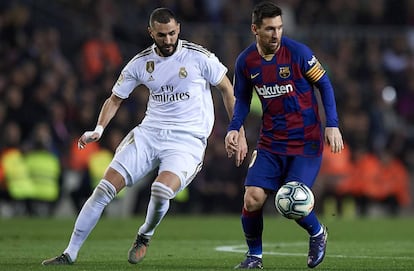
column 179, row 85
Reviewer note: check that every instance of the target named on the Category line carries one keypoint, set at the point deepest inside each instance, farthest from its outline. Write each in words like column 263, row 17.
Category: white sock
column 157, row 208
column 319, row 232
column 89, row 216
column 257, row 255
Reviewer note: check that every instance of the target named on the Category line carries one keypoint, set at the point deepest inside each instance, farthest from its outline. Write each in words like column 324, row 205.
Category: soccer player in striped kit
column 283, row 72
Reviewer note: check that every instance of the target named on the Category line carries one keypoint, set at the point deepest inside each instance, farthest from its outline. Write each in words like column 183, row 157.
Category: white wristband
column 99, row 129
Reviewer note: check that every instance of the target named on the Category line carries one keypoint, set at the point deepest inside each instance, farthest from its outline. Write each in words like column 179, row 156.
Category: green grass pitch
column 208, row 243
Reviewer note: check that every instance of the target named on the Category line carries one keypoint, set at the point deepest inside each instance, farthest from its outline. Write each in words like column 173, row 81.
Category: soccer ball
column 294, row 200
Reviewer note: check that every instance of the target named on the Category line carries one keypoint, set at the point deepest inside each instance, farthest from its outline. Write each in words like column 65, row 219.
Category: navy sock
column 310, row 223
column 252, row 223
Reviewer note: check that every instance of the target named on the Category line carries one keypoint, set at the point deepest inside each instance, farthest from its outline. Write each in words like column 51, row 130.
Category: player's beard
column 272, row 46
column 164, row 49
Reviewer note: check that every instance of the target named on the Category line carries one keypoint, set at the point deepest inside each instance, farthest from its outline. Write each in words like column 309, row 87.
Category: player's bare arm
column 334, row 138
column 240, row 147
column 108, row 111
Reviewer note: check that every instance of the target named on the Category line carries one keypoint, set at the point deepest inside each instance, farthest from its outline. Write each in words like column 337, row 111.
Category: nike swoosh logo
column 252, row 76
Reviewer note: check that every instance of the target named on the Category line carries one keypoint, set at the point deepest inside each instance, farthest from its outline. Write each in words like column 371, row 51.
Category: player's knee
column 161, row 191
column 104, row 192
column 252, row 205
column 254, row 199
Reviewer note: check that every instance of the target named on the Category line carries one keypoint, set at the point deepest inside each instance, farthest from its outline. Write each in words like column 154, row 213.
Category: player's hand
column 242, row 150
column 90, row 136
column 334, row 138
column 231, row 143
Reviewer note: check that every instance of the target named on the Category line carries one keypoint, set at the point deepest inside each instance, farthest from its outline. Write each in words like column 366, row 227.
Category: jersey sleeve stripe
column 143, row 53
column 315, row 73
column 195, row 47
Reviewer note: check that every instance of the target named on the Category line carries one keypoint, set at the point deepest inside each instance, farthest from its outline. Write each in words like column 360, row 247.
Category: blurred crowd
column 59, row 60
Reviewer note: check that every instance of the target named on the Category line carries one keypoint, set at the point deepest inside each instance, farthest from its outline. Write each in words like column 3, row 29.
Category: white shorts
column 145, row 149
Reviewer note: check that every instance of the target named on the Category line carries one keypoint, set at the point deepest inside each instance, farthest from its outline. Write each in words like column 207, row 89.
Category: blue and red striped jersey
column 285, row 86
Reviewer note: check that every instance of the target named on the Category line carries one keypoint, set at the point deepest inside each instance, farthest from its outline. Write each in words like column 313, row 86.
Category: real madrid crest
column 182, row 73
column 284, row 72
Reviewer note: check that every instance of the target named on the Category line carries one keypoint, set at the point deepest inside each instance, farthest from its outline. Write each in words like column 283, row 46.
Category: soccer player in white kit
column 172, row 136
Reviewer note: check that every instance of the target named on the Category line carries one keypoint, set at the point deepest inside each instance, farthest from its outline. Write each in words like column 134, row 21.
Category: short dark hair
column 263, row 10
column 161, row 15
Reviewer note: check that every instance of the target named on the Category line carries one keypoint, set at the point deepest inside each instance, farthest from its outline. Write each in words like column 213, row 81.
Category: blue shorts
column 270, row 171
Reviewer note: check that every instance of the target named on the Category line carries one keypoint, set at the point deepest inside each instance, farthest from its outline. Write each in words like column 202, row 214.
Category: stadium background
column 60, row 58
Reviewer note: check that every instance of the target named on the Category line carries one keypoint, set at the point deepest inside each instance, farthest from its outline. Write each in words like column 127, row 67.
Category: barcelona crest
column 284, row 72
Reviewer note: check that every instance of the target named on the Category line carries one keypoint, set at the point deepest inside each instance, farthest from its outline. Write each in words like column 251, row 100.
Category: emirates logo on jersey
column 167, row 94
column 182, row 73
column 170, row 97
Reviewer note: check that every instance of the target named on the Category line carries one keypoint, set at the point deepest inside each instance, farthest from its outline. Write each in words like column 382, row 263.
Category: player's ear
column 150, row 32
column 178, row 28
column 253, row 27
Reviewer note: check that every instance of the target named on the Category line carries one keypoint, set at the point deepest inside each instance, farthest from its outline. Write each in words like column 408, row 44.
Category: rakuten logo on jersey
column 273, row 91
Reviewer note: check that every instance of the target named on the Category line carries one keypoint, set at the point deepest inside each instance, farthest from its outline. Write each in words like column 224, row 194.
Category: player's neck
column 158, row 51
column 266, row 55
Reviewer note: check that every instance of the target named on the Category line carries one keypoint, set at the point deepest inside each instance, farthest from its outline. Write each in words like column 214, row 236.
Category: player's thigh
column 182, row 156
column 134, row 157
column 304, row 169
column 265, row 171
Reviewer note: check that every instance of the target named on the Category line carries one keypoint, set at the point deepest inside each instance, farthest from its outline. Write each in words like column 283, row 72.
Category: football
column 294, row 200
